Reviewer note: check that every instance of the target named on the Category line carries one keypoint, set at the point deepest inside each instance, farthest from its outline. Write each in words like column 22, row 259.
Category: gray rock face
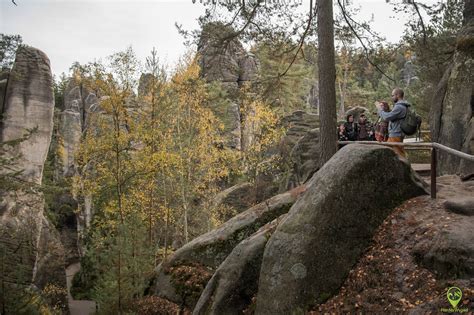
column 234, row 200
column 4, row 73
column 304, row 159
column 248, row 65
column 452, row 111
column 235, row 282
column 463, row 206
column 356, row 112
column 29, row 104
column 145, row 84
column 451, row 254
column 299, row 149
column 70, row 131
column 298, row 124
column 74, row 120
column 311, row 252
column 211, row 249
column 30, row 247
column 228, row 63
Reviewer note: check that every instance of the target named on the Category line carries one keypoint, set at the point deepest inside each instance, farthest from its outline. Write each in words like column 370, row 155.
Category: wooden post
column 433, row 172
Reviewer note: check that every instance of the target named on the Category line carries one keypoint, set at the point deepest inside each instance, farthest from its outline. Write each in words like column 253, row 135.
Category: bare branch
column 421, row 21
column 362, row 43
column 300, row 46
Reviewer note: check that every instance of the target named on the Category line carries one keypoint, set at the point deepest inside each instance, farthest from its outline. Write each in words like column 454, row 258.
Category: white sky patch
column 85, row 30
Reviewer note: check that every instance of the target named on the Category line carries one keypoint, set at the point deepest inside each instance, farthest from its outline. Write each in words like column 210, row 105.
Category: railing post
column 433, row 173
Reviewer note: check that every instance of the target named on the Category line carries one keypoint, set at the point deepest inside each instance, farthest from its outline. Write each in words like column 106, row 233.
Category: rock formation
column 226, row 61
column 208, row 251
column 308, row 256
column 299, row 148
column 4, row 73
column 235, row 282
column 356, row 112
column 29, row 104
column 452, row 122
column 78, row 103
column 311, row 252
column 450, row 254
column 30, row 247
column 234, row 200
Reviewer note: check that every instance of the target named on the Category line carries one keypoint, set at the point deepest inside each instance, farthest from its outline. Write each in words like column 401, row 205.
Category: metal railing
column 433, row 146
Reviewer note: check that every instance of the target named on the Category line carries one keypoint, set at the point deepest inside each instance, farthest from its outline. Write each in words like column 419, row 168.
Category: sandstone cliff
column 30, row 248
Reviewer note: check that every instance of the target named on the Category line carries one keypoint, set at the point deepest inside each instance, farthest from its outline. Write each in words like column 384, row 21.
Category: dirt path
column 77, row 307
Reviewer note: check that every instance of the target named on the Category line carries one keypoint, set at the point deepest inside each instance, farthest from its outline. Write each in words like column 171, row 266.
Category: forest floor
column 387, row 278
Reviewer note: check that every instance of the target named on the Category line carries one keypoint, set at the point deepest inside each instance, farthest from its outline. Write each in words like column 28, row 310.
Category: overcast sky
column 84, row 30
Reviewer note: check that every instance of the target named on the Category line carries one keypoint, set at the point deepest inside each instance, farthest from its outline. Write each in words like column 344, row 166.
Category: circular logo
column 454, row 295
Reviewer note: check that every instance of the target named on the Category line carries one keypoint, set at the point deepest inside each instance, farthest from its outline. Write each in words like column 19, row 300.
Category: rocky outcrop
column 78, row 103
column 234, row 200
column 450, row 255
column 145, row 84
column 464, row 206
column 226, row 61
column 235, row 282
column 74, row 120
column 4, row 73
column 70, row 132
column 208, row 251
column 303, row 160
column 298, row 124
column 311, row 252
column 32, row 253
column 356, row 112
column 452, row 122
column 29, row 105
column 298, row 150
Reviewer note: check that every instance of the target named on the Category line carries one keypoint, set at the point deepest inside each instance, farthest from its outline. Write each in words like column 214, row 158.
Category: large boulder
column 464, row 206
column 356, row 112
column 235, row 282
column 311, row 252
column 450, row 255
column 234, row 200
column 208, row 251
column 29, row 104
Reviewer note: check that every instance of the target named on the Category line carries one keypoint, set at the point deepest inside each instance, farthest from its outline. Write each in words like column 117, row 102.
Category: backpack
column 411, row 122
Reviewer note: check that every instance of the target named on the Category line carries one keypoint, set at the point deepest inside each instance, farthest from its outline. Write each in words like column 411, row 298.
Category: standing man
column 394, row 118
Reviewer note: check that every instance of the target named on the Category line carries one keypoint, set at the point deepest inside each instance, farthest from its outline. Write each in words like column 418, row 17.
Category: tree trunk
column 327, row 80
